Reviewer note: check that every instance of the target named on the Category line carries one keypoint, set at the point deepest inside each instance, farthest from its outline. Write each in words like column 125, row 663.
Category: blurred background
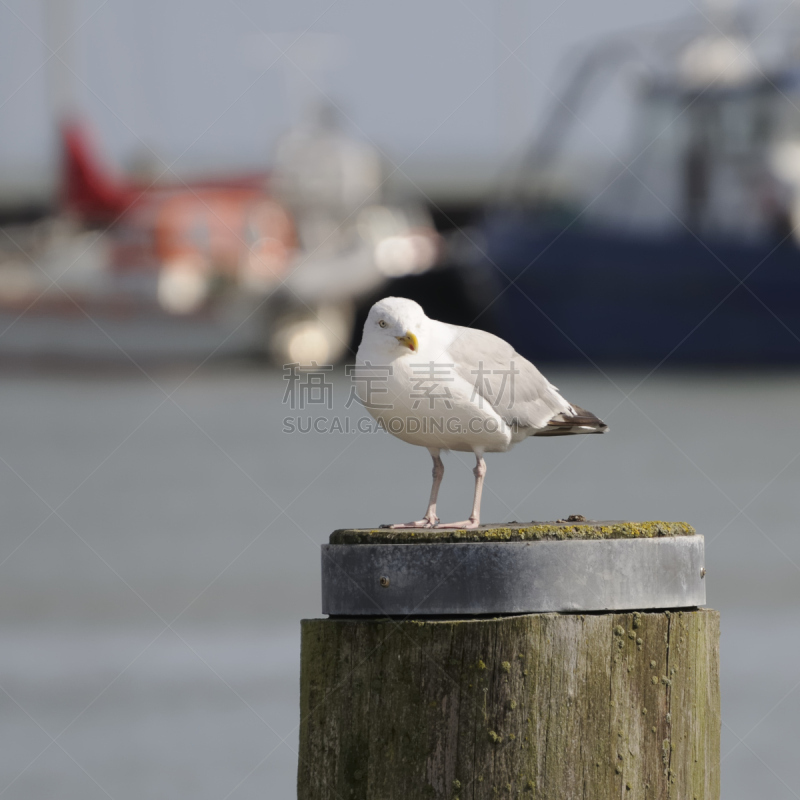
column 194, row 194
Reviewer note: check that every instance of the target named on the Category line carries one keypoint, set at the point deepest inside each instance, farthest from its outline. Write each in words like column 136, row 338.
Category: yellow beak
column 409, row 341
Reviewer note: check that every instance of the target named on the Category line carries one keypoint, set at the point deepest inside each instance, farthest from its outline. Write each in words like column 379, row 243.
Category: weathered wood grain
column 549, row 706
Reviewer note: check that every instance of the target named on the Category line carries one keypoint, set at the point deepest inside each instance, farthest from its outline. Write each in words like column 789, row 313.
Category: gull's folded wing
column 513, row 386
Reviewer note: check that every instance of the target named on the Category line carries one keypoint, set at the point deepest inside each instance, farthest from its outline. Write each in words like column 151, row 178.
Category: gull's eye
column 382, row 323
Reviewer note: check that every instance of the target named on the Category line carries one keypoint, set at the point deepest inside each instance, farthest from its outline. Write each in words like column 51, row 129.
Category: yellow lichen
column 516, row 533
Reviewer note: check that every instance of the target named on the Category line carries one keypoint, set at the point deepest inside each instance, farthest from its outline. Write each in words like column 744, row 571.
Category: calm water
column 160, row 545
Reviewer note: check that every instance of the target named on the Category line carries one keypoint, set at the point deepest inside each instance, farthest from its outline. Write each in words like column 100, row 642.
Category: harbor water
column 160, row 544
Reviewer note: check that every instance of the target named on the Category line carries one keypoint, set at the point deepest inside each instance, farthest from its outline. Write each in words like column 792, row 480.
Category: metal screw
column 384, row 581
column 702, row 572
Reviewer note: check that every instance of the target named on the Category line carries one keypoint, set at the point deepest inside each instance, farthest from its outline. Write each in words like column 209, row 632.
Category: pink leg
column 475, row 518
column 430, row 518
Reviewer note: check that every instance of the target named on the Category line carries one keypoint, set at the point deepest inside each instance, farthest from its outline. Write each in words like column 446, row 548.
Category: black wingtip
column 581, row 422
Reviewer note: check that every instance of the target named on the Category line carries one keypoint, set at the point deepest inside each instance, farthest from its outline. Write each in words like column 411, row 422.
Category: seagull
column 445, row 387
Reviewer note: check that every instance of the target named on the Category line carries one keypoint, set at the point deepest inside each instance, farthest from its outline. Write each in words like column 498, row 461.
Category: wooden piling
column 589, row 705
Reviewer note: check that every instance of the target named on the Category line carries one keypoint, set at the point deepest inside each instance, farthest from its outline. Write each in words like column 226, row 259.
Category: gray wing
column 513, row 386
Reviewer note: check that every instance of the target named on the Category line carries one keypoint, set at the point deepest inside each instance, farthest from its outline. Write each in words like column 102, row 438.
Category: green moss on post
column 541, row 706
column 514, row 532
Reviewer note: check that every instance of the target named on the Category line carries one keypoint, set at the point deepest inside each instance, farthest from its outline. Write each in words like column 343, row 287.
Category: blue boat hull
column 570, row 295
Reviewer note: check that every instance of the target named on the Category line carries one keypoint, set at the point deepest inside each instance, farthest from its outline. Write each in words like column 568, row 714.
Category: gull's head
column 395, row 326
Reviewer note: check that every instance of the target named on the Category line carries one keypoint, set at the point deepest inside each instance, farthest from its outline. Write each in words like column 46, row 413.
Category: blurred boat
column 138, row 269
column 689, row 250
column 141, row 269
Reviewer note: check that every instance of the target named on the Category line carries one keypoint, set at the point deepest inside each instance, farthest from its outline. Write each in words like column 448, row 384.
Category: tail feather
column 565, row 424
